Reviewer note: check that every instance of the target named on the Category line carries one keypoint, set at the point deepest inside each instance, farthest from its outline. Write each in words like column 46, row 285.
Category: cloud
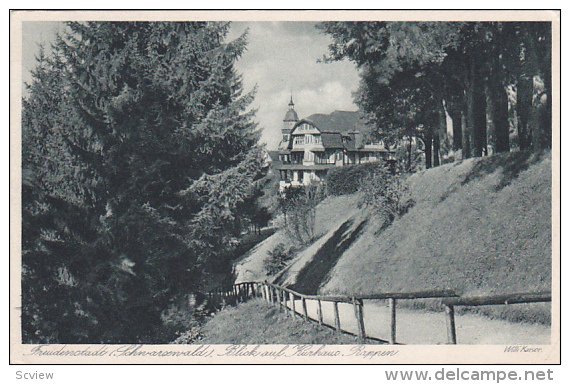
column 282, row 58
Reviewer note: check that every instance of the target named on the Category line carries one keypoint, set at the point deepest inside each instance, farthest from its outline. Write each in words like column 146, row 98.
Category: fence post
column 336, row 316
column 304, row 303
column 282, row 299
column 359, row 314
column 392, row 305
column 319, row 312
column 285, row 296
column 451, row 336
column 279, row 298
column 292, row 300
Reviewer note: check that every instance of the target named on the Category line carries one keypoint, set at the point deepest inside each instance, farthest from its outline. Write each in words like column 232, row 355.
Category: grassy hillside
column 257, row 322
column 480, row 226
column 330, row 213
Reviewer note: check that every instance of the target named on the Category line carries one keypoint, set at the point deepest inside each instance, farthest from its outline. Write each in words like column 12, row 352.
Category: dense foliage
column 493, row 79
column 298, row 206
column 386, row 193
column 346, row 180
column 139, row 150
column 278, row 258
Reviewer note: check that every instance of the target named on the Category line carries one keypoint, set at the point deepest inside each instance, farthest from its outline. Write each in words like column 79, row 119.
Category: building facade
column 307, row 151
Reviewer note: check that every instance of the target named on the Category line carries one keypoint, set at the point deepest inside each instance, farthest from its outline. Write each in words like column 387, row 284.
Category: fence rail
column 472, row 301
column 285, row 299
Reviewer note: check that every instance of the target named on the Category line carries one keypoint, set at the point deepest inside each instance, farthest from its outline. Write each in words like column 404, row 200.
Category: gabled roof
column 304, row 121
column 332, row 140
column 339, row 121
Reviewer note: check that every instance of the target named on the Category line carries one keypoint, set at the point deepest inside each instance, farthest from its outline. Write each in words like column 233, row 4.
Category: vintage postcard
column 347, row 187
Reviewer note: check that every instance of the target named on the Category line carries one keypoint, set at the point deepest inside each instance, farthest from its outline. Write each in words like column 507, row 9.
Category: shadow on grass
column 512, row 165
column 313, row 274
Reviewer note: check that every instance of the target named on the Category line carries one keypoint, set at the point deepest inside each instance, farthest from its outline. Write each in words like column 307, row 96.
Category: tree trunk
column 546, row 105
column 500, row 113
column 476, row 107
column 436, row 148
column 524, row 109
column 465, row 135
column 441, row 130
column 428, row 142
column 409, row 153
column 499, row 107
column 456, row 120
column 491, row 139
column 537, row 61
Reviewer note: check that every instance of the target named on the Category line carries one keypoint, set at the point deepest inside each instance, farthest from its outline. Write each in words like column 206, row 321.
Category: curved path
column 422, row 327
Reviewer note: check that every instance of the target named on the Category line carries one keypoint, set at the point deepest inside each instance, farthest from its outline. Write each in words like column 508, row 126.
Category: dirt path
column 421, row 327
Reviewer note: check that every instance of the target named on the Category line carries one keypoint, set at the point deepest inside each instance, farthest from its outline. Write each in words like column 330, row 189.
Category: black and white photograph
column 321, row 187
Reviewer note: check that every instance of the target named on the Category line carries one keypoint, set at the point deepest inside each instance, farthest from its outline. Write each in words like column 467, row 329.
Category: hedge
column 346, row 180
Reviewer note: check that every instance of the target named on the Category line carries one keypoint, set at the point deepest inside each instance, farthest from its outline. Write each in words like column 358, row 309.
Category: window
column 308, row 139
column 323, row 159
column 297, row 158
column 285, row 137
column 317, row 139
column 299, row 140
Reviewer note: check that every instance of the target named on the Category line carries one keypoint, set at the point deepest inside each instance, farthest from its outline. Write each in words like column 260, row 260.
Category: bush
column 278, row 259
column 346, row 180
column 298, row 205
column 386, row 193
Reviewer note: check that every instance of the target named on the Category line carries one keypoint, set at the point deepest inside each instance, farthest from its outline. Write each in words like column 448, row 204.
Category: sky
column 281, row 60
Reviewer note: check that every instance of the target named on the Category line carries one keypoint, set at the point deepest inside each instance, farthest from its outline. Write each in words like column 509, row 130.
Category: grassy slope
column 330, row 213
column 479, row 226
column 256, row 322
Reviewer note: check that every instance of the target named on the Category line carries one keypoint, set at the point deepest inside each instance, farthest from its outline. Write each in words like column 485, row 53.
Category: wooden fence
column 285, row 299
column 512, row 298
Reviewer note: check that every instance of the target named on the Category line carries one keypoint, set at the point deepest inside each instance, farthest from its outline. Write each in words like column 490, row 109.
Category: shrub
column 185, row 317
column 298, row 206
column 387, row 193
column 346, row 180
column 278, row 259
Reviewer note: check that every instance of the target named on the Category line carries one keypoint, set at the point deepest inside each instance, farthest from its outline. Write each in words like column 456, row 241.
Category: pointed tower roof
column 291, row 115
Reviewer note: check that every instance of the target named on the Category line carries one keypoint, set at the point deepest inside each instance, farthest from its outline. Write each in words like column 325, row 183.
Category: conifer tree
column 139, row 148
